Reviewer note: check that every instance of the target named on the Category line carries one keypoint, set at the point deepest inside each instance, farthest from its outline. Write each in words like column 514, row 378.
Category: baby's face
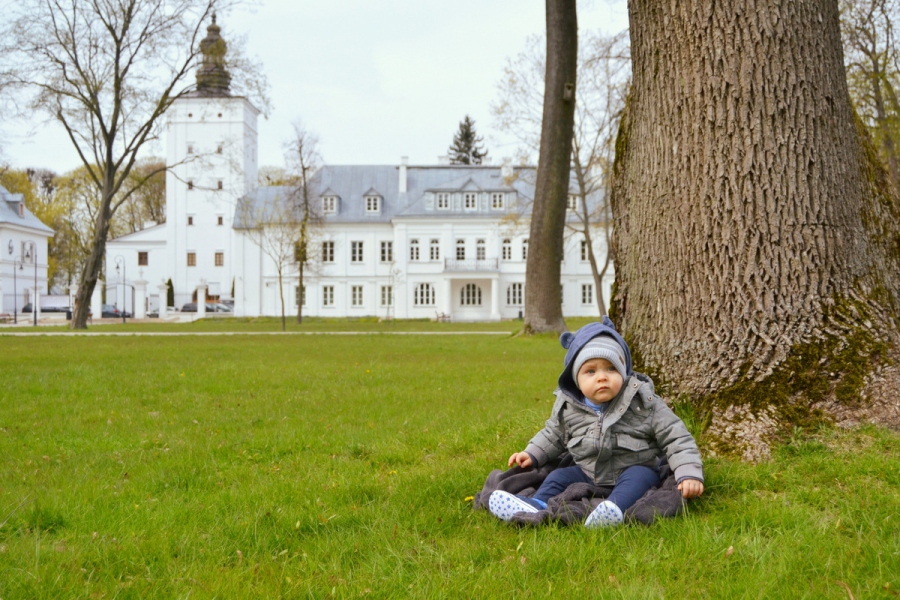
column 599, row 381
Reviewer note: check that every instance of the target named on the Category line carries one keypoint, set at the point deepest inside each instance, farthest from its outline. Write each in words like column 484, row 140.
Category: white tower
column 212, row 149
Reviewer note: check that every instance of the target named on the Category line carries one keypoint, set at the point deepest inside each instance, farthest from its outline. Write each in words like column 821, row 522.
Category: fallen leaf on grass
column 846, row 587
column 729, row 552
column 469, row 498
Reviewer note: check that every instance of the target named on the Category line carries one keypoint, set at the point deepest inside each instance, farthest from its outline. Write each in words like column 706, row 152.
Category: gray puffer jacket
column 635, row 429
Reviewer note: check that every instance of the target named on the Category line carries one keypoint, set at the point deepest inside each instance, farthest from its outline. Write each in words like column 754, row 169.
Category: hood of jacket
column 574, row 342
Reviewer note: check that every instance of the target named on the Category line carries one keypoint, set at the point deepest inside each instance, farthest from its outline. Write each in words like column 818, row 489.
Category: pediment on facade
column 373, row 192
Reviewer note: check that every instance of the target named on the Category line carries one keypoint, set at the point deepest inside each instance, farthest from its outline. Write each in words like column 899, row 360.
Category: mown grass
column 339, row 466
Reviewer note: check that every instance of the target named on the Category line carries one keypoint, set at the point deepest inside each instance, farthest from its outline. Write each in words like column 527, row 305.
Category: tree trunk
column 300, row 291
column 281, row 299
column 92, row 266
column 543, row 300
column 756, row 249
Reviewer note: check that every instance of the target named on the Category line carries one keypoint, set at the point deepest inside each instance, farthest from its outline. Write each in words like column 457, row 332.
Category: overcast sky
column 375, row 80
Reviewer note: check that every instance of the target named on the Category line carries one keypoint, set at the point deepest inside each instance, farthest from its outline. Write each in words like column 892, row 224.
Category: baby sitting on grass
column 615, row 428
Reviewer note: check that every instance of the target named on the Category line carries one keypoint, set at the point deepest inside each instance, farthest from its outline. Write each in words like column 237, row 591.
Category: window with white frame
column 329, row 204
column 300, row 294
column 192, row 259
column 413, row 249
column 470, row 295
column 584, row 254
column 443, row 201
column 480, row 251
column 356, row 295
column 572, row 202
column 525, row 249
column 220, row 259
column 434, row 249
column 356, row 252
column 498, row 201
column 327, row 252
column 387, row 295
column 514, row 294
column 372, row 204
column 423, row 295
column 470, row 200
column 460, row 249
column 327, row 295
column 143, row 259
column 507, row 249
column 387, row 251
column 587, row 293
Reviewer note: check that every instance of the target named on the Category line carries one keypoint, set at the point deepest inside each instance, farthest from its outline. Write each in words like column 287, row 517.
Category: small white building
column 24, row 242
column 397, row 241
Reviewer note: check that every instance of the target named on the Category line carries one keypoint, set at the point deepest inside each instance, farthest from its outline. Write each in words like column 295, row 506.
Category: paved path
column 186, row 333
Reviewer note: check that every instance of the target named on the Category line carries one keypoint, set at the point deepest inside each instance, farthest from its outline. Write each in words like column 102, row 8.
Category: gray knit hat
column 602, row 346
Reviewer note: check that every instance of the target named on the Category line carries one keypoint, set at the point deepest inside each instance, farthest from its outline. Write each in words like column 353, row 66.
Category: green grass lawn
column 339, row 466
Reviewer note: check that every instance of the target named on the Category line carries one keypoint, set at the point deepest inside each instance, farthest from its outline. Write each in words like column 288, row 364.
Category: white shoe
column 504, row 505
column 605, row 515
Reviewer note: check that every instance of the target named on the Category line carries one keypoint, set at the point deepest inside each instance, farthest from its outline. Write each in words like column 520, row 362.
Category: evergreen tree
column 170, row 293
column 466, row 148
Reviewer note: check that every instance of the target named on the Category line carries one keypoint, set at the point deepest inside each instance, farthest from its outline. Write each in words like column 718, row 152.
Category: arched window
column 470, row 295
column 423, row 295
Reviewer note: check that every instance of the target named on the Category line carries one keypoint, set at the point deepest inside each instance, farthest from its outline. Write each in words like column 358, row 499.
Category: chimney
column 404, row 161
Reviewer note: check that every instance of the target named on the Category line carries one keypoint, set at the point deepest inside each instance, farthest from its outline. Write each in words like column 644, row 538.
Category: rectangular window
column 507, row 249
column 584, row 255
column 587, row 293
column 443, row 201
column 480, row 251
column 498, row 201
column 190, row 149
column 192, row 259
column 328, row 295
column 514, row 294
column 356, row 252
column 434, row 249
column 470, row 200
column 460, row 249
column 190, row 185
column 525, row 249
column 572, row 202
column 413, row 249
column 387, row 252
column 190, row 219
column 143, row 259
column 356, row 296
column 300, row 293
column 219, row 184
column 219, row 149
column 329, row 204
column 327, row 252
column 220, row 259
column 220, row 220
column 372, row 204
column 387, row 295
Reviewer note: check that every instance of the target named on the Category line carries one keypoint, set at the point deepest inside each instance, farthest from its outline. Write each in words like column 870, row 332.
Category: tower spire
column 213, row 78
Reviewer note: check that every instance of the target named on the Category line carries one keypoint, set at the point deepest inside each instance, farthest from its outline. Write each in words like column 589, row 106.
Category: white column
column 448, row 296
column 495, row 298
column 97, row 300
column 2, row 299
column 240, row 308
column 201, row 300
column 163, row 299
column 140, row 299
column 36, row 302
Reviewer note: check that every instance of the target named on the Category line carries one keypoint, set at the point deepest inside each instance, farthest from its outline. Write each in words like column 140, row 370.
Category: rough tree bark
column 543, row 301
column 756, row 244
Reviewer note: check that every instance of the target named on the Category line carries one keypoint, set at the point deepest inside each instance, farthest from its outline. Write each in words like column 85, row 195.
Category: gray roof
column 351, row 183
column 9, row 213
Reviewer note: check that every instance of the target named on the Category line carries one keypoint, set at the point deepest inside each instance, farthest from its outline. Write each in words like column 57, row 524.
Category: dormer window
column 329, row 204
column 470, row 199
column 498, row 201
column 443, row 201
column 572, row 202
column 372, row 204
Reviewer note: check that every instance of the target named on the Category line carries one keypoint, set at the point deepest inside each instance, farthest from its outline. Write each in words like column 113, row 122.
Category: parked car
column 220, row 307
column 46, row 309
column 210, row 307
column 189, row 307
column 229, row 302
column 111, row 312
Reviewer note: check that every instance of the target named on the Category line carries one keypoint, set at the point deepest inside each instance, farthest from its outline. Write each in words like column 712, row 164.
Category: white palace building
column 396, row 241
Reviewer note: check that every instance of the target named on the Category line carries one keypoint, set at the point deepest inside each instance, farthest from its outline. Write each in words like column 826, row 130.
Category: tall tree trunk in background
column 543, row 301
column 756, row 244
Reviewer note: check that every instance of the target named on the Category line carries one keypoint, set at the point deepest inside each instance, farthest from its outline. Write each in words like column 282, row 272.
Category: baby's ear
column 566, row 339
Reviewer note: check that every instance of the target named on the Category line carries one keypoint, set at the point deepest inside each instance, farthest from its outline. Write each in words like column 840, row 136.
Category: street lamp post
column 17, row 264
column 37, row 297
column 120, row 262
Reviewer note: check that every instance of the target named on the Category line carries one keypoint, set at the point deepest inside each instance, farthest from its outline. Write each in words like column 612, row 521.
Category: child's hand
column 520, row 458
column 691, row 488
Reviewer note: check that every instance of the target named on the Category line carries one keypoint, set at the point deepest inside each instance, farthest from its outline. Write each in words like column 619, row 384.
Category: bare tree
column 756, row 233
column 303, row 159
column 873, row 72
column 107, row 72
column 603, row 78
column 543, row 298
